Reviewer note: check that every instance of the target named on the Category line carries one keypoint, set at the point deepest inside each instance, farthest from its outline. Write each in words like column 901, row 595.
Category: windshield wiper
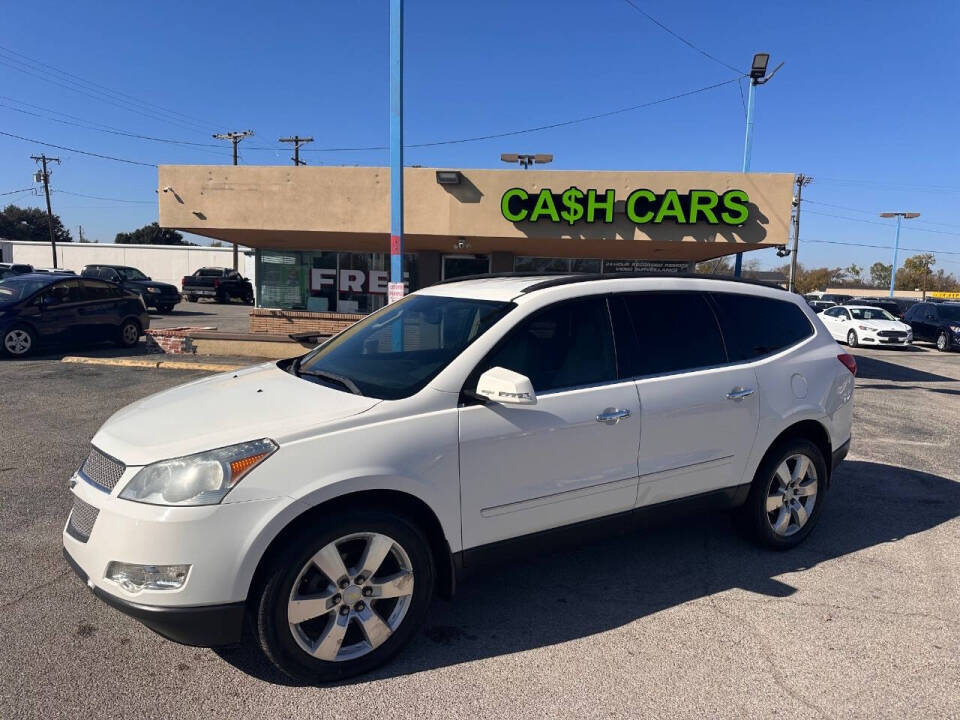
column 333, row 377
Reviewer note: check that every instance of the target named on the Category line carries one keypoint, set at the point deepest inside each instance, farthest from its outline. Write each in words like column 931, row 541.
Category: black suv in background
column 936, row 322
column 159, row 295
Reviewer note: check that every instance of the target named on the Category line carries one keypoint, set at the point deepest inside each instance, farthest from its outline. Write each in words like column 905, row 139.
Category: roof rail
column 491, row 276
column 567, row 278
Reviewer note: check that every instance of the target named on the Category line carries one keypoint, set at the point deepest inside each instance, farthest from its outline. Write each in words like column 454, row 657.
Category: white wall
column 166, row 263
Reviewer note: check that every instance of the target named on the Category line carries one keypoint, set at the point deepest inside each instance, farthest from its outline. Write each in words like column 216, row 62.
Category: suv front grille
column 81, row 521
column 102, row 469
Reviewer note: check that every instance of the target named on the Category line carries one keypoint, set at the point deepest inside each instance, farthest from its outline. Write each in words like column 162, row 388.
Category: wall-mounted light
column 461, row 244
column 449, row 177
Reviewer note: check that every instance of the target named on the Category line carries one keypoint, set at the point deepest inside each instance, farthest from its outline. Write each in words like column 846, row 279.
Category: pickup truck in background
column 220, row 284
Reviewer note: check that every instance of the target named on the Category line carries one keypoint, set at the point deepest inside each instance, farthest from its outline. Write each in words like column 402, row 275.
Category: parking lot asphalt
column 232, row 317
column 684, row 620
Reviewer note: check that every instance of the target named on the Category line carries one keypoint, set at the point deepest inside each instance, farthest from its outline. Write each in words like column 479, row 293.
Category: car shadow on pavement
column 871, row 368
column 547, row 598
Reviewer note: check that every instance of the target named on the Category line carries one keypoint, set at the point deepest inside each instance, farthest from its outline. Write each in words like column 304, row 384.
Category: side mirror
column 506, row 386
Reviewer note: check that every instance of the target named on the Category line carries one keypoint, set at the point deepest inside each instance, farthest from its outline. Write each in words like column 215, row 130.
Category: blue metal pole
column 395, row 290
column 747, row 152
column 896, row 248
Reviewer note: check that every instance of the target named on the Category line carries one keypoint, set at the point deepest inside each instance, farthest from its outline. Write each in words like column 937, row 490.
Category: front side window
column 949, row 312
column 394, row 353
column 564, row 346
column 755, row 326
column 672, row 332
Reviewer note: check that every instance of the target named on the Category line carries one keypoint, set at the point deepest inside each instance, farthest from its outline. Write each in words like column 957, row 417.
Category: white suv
column 327, row 498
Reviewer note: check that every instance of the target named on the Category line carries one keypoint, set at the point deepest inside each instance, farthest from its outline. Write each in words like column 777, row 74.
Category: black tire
column 222, row 296
column 273, row 630
column 128, row 334
column 18, row 341
column 754, row 517
column 191, row 298
column 943, row 342
column 852, row 339
column 164, row 308
column 248, row 299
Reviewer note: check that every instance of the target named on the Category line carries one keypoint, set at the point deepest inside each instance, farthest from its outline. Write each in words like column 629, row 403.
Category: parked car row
column 857, row 324
column 47, row 308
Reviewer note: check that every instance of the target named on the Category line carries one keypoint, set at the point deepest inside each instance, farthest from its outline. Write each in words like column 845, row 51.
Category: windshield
column 395, row 352
column 126, row 273
column 873, row 313
column 16, row 288
column 950, row 312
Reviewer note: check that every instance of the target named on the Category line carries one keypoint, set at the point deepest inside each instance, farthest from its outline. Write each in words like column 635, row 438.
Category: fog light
column 134, row 578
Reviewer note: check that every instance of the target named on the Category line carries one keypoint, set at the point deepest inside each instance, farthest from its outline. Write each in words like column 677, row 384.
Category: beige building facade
column 322, row 234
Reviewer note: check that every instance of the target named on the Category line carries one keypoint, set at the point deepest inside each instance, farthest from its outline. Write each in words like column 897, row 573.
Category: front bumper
column 202, row 626
column 215, row 540
column 875, row 339
column 152, row 300
column 839, row 454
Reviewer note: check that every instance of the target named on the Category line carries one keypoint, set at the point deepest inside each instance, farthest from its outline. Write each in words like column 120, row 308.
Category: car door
column 917, row 318
column 698, row 412
column 572, row 455
column 57, row 319
column 831, row 320
column 98, row 314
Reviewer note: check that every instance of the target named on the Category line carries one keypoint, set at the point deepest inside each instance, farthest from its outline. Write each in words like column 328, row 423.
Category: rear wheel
column 787, row 494
column 191, row 298
column 342, row 600
column 19, row 341
column 129, row 333
column 852, row 339
column 943, row 342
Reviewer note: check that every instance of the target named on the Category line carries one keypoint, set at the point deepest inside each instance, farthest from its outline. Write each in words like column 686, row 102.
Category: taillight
column 849, row 362
column 216, row 283
column 183, row 282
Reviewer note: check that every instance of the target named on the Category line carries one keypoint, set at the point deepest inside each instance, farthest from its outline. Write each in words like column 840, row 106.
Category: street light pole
column 758, row 76
column 395, row 289
column 896, row 243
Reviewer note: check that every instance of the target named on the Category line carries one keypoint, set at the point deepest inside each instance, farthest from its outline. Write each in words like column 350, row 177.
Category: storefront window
column 547, row 264
column 321, row 281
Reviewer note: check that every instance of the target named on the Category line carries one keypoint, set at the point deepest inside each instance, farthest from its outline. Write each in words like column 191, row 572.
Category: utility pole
column 43, row 159
column 758, row 76
column 802, row 181
column 80, row 229
column 235, row 138
column 297, row 142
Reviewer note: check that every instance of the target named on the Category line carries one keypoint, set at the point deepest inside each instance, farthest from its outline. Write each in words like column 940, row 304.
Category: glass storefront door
column 455, row 266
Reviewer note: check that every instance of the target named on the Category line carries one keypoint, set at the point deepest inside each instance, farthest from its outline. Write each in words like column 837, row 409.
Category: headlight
column 201, row 479
column 867, row 328
column 955, row 328
column 153, row 290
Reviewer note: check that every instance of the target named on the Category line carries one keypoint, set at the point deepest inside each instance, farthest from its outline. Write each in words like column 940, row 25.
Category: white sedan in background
column 865, row 325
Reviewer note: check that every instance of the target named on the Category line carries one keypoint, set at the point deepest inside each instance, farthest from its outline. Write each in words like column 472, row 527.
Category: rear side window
column 756, row 326
column 667, row 332
column 209, row 272
column 97, row 290
column 564, row 346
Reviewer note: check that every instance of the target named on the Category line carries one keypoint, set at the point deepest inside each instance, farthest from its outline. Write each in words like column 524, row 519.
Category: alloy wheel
column 852, row 339
column 350, row 597
column 942, row 342
column 792, row 495
column 130, row 333
column 17, row 342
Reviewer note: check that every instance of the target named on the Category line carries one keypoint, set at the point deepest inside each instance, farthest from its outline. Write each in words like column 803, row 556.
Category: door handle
column 739, row 393
column 611, row 416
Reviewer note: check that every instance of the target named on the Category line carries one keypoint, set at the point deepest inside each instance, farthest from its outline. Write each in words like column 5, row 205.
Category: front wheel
column 943, row 342
column 852, row 339
column 19, row 341
column 787, row 494
column 128, row 334
column 341, row 601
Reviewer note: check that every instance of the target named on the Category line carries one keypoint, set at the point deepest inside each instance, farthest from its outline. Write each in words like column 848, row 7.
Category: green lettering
column 703, row 201
column 545, row 206
column 735, row 201
column 631, row 206
column 606, row 205
column 505, row 205
column 670, row 207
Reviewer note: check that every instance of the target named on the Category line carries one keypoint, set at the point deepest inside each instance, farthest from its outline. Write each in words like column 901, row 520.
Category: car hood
column 884, row 324
column 233, row 407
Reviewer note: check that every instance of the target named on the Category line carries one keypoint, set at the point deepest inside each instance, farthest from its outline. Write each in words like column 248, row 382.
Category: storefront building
column 321, row 234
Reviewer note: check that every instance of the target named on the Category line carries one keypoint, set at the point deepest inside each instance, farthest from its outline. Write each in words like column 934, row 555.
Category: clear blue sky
column 867, row 102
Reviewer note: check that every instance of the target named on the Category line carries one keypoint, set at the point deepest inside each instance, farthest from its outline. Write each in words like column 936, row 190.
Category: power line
column 523, row 131
column 682, row 39
column 15, row 192
column 75, row 150
column 874, row 212
column 890, row 186
column 883, row 247
column 97, row 87
column 98, row 197
column 878, row 222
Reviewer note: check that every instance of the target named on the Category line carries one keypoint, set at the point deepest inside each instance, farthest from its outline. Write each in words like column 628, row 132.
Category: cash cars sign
column 640, row 206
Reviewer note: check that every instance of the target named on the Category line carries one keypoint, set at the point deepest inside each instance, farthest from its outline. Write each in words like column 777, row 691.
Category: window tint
column 567, row 345
column 833, row 312
column 66, row 292
column 98, row 290
column 671, row 332
column 754, row 326
column 209, row 272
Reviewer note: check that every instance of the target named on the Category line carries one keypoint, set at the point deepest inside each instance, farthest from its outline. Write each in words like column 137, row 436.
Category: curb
column 155, row 364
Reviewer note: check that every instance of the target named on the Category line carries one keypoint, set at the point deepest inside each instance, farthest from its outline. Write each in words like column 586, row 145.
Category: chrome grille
column 102, row 469
column 81, row 521
column 899, row 334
